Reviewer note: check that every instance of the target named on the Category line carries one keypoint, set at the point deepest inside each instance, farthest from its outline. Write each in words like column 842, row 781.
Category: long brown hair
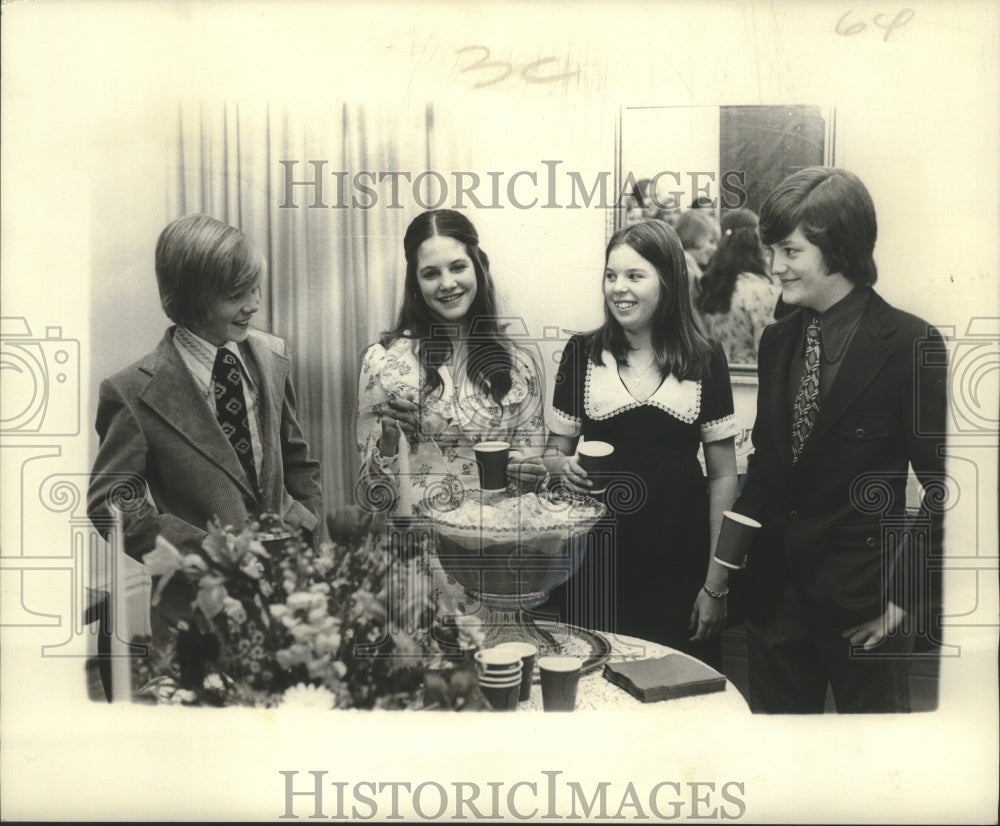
column 739, row 251
column 489, row 358
column 679, row 345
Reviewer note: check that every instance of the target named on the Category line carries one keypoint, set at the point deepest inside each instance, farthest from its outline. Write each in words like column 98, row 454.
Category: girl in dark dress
column 650, row 383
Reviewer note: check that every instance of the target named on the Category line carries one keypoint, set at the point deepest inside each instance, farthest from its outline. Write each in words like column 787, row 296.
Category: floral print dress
column 441, row 461
column 751, row 310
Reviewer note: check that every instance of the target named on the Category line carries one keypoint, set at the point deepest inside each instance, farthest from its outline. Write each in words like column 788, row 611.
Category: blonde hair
column 201, row 260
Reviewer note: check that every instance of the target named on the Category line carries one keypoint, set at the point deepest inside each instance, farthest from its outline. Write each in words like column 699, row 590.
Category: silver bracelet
column 715, row 594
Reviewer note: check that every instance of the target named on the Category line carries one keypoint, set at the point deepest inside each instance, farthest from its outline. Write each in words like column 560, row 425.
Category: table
column 598, row 694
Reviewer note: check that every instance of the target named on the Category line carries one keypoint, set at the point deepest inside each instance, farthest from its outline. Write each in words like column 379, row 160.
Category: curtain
column 335, row 257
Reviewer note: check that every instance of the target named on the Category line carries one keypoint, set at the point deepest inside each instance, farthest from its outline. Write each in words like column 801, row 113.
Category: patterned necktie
column 231, row 409
column 807, row 401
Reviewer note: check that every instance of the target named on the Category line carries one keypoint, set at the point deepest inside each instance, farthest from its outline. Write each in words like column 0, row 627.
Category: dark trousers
column 791, row 662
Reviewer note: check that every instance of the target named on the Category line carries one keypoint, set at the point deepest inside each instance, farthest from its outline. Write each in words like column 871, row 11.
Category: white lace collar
column 605, row 394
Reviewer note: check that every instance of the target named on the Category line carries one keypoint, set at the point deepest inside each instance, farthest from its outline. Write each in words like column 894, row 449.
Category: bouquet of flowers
column 259, row 617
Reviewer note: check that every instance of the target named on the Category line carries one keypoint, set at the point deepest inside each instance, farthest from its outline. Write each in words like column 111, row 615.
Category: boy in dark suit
column 204, row 426
column 852, row 391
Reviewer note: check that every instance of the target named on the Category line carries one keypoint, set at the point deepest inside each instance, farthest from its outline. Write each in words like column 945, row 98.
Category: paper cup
column 501, row 698
column 595, row 458
column 734, row 539
column 501, row 682
column 498, row 661
column 560, row 678
column 527, row 652
column 491, row 459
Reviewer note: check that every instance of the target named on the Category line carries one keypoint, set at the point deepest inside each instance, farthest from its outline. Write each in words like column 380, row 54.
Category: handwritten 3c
column 496, row 71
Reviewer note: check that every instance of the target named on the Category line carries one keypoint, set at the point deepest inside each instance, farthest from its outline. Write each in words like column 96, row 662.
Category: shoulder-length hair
column 739, row 251
column 199, row 261
column 835, row 212
column 489, row 358
column 681, row 348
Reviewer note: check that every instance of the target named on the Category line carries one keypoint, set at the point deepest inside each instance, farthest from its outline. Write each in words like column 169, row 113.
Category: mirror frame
column 739, row 373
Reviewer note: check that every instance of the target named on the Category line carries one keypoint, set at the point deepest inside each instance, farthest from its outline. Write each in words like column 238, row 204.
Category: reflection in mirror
column 736, row 295
column 706, row 170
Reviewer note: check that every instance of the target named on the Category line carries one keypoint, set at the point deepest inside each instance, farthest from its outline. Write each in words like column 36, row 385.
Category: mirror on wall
column 701, row 168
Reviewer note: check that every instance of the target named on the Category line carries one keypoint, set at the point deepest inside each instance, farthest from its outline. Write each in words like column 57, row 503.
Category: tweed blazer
column 833, row 522
column 165, row 462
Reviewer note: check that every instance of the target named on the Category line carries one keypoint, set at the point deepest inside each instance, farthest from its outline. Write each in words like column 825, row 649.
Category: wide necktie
column 231, row 409
column 807, row 400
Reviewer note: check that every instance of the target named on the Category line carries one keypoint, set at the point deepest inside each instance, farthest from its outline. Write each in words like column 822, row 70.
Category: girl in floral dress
column 444, row 378
column 737, row 297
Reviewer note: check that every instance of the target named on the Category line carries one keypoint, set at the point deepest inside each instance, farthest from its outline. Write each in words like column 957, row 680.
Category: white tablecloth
column 598, row 694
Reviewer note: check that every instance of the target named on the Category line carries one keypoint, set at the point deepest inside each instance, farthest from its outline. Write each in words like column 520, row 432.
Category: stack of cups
column 527, row 652
column 499, row 677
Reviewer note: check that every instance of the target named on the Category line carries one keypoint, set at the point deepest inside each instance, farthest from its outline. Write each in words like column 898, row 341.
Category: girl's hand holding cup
column 594, row 457
column 574, row 477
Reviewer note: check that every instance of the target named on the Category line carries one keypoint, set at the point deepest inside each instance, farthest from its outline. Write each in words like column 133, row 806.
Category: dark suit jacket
column 164, row 460
column 831, row 522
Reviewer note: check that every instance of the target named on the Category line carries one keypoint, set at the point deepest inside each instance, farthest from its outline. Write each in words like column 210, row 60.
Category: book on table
column 664, row 678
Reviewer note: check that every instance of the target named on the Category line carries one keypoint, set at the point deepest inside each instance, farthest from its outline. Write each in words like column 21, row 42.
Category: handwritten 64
column 848, row 24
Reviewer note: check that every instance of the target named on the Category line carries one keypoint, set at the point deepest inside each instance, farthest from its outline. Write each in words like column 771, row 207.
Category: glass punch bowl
column 510, row 551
